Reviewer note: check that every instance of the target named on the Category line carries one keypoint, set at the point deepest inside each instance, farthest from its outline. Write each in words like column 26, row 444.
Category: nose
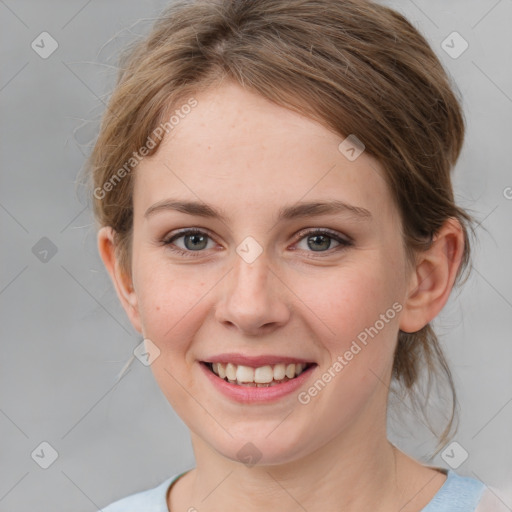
column 253, row 298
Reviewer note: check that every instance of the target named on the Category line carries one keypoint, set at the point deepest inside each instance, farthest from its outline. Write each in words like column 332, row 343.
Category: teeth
column 261, row 376
column 244, row 374
column 230, row 371
column 279, row 371
column 290, row 371
column 221, row 370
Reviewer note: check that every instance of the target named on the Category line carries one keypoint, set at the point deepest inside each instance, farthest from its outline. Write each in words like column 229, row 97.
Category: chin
column 262, row 448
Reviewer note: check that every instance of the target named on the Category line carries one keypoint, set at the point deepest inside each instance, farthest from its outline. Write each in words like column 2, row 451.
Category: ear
column 433, row 277
column 122, row 282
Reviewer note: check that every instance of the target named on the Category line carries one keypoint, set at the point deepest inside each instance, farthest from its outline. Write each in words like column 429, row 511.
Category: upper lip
column 255, row 361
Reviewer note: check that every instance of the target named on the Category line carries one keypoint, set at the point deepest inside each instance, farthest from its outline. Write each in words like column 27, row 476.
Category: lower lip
column 251, row 394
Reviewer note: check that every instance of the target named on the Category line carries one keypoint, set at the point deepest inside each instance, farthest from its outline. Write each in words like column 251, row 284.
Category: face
column 270, row 280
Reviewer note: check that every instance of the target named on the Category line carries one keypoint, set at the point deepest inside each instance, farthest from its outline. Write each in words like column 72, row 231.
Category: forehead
column 237, row 150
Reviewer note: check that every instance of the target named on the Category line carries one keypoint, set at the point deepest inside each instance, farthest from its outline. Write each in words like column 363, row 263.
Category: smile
column 262, row 376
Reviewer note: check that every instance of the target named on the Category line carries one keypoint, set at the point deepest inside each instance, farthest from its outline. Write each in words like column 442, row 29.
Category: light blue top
column 458, row 494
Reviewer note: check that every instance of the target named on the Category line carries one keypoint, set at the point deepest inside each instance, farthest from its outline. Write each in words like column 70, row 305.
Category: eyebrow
column 298, row 210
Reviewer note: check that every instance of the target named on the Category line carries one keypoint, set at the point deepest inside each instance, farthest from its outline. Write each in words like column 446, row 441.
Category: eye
column 320, row 240
column 317, row 240
column 194, row 240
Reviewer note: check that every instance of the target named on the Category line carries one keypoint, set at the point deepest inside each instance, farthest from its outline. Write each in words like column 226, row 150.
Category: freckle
column 158, row 308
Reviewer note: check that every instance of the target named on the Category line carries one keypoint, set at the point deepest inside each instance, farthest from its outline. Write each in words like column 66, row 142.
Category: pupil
column 319, row 239
column 197, row 240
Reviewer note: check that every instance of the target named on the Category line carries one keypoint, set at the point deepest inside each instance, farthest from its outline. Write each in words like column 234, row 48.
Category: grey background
column 65, row 338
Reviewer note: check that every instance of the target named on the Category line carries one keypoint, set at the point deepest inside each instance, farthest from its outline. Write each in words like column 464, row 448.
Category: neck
column 362, row 477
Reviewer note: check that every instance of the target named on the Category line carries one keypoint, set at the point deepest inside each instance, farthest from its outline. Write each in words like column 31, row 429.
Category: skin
column 249, row 157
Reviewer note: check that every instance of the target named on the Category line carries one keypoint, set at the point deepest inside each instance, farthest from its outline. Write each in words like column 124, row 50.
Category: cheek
column 349, row 299
column 171, row 312
column 169, row 301
column 359, row 308
column 359, row 305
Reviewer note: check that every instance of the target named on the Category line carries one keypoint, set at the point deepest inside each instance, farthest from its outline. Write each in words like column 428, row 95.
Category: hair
column 357, row 67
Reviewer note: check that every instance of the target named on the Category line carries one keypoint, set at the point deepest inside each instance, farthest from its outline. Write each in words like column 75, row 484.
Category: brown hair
column 355, row 66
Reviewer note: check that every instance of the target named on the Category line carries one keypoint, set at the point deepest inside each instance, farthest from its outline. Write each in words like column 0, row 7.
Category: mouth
column 262, row 376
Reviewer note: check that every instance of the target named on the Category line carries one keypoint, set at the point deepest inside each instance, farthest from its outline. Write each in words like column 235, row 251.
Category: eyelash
column 344, row 243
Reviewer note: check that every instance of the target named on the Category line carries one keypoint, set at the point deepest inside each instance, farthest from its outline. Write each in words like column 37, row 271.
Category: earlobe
column 433, row 277
column 122, row 283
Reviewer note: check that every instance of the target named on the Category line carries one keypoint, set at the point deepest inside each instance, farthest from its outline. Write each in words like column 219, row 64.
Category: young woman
column 272, row 186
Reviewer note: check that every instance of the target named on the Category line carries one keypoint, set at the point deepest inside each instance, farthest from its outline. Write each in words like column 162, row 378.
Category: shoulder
column 149, row 500
column 458, row 494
